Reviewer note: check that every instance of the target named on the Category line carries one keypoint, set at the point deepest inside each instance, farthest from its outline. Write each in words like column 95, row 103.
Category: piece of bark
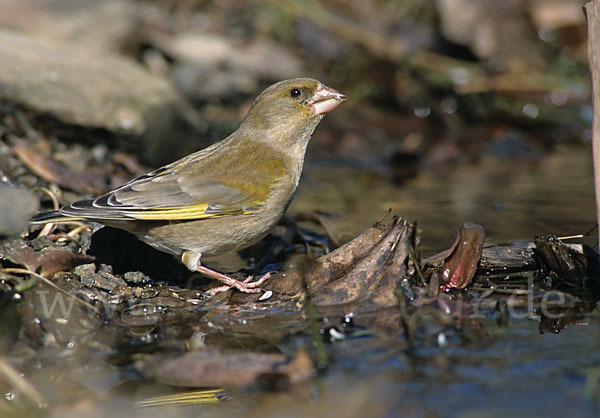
column 496, row 260
column 592, row 13
column 573, row 263
column 508, row 258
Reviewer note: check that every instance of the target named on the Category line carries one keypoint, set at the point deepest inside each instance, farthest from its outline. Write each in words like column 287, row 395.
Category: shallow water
column 514, row 371
column 447, row 372
column 513, row 200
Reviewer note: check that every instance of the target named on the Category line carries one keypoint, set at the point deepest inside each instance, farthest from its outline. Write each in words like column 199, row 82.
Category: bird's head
column 289, row 111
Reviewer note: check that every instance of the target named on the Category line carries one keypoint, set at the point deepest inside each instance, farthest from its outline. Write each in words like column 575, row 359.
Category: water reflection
column 513, row 199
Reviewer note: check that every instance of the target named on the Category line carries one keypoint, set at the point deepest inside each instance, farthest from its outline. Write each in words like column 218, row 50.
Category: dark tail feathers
column 53, row 216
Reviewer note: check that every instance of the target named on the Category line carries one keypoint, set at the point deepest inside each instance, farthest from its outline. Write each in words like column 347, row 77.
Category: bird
column 223, row 198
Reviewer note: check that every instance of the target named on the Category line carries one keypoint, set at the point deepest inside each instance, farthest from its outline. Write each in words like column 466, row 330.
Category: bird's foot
column 246, row 286
column 249, row 283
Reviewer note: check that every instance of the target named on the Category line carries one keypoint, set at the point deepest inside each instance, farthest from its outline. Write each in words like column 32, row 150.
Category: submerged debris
column 212, row 367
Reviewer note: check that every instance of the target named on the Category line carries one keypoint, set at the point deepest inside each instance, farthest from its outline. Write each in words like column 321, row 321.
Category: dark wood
column 592, row 12
column 508, row 258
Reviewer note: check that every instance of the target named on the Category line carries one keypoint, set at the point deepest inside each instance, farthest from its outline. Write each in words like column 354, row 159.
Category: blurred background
column 460, row 110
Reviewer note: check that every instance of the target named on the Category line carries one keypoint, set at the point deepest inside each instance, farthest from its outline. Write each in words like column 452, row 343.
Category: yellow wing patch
column 183, row 213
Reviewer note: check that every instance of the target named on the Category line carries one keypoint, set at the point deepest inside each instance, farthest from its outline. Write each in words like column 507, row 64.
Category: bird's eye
column 295, row 92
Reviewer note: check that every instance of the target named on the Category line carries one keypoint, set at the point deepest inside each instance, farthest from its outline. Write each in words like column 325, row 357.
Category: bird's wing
column 199, row 188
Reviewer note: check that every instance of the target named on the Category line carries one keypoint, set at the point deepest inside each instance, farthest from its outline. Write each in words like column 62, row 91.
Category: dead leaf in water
column 211, row 367
column 364, row 271
column 459, row 262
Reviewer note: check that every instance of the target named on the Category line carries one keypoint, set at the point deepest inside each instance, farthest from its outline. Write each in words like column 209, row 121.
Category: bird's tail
column 52, row 216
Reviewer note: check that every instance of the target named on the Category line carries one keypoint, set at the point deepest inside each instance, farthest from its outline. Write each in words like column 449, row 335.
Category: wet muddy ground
column 113, row 356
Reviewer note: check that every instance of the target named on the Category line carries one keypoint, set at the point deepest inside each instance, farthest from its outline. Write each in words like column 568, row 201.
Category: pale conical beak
column 325, row 99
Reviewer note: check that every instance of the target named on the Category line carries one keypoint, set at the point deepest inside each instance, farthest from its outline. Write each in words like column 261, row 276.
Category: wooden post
column 592, row 12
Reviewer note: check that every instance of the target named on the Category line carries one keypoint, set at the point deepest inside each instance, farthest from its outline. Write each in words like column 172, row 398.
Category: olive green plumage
column 225, row 197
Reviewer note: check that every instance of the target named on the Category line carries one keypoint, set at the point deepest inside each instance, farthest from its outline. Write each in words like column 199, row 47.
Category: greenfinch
column 225, row 197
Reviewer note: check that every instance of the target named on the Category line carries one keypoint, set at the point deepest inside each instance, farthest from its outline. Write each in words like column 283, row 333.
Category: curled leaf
column 461, row 260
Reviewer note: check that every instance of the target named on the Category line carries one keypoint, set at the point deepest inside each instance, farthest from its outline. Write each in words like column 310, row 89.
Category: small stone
column 119, row 293
column 109, row 282
column 88, row 280
column 105, row 268
column 266, row 295
column 102, row 279
column 136, row 277
column 86, row 273
column 41, row 242
column 87, row 89
column 16, row 207
column 84, row 269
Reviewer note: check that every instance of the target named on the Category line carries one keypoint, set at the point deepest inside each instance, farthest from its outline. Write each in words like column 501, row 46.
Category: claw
column 247, row 286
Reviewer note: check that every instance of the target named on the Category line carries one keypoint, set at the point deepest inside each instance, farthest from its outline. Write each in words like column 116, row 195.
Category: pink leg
column 246, row 286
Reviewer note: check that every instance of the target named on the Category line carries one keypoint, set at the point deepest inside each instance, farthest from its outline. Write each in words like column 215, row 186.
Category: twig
column 52, row 196
column 81, row 227
column 16, row 379
column 66, row 237
column 49, row 227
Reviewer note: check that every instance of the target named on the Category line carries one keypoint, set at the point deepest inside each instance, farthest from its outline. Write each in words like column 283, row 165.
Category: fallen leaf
column 211, row 367
column 48, row 261
column 365, row 271
column 79, row 181
column 461, row 259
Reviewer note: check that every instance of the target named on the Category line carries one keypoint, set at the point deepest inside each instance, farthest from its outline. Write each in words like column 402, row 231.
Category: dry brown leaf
column 364, row 271
column 47, row 261
column 78, row 181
